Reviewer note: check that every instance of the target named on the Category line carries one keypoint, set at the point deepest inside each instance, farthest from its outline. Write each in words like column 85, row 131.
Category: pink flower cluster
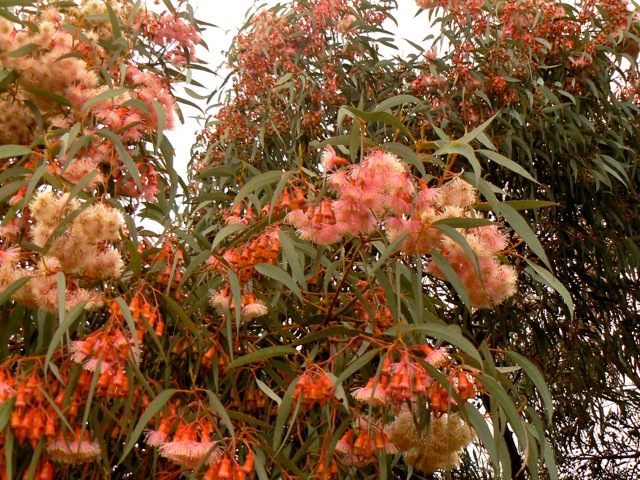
column 177, row 37
column 190, row 445
column 360, row 443
column 366, row 192
column 380, row 193
column 107, row 350
column 73, row 448
column 263, row 248
column 401, row 381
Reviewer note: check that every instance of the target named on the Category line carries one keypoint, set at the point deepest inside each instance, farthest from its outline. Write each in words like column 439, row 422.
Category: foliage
column 558, row 83
column 347, row 287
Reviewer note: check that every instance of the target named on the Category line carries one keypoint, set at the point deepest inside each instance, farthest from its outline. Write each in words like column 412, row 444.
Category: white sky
column 229, row 16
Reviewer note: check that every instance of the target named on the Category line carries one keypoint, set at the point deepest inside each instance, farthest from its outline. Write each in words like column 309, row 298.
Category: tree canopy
column 379, row 266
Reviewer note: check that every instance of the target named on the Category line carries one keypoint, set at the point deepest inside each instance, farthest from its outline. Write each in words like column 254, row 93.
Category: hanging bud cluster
column 360, row 443
column 376, row 303
column 38, row 401
column 128, row 187
column 251, row 400
column 406, row 382
column 44, row 470
column 110, row 349
column 408, row 379
column 322, row 471
column 314, row 386
column 242, row 259
column 230, row 468
column 263, row 248
column 172, row 259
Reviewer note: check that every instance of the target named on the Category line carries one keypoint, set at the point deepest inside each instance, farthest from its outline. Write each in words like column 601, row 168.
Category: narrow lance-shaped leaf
column 523, row 229
column 153, row 408
column 262, row 354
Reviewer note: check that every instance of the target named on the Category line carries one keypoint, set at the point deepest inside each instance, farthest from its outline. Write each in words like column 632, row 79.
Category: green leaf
column 16, row 3
column 6, row 409
column 54, row 97
column 523, row 229
column 388, row 251
column 13, row 288
column 536, row 377
column 255, row 184
column 382, row 117
column 551, row 281
column 320, row 334
column 283, row 413
column 291, row 255
column 217, row 406
column 25, row 50
column 406, row 153
column 469, row 137
column 463, row 222
column 8, row 452
column 499, row 396
column 279, row 275
column 8, row 151
column 225, row 232
column 62, row 295
column 395, row 101
column 65, row 324
column 457, row 237
column 263, row 354
column 449, row 333
column 153, row 408
column 124, row 156
column 456, row 147
column 343, row 140
column 178, row 311
column 357, row 364
column 452, row 276
column 115, row 24
column 161, row 120
column 270, row 393
column 104, row 96
column 479, row 424
column 507, row 163
column 519, row 205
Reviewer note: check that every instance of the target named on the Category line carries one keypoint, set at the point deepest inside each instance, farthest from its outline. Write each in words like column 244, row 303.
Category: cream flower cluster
column 76, row 240
column 438, row 448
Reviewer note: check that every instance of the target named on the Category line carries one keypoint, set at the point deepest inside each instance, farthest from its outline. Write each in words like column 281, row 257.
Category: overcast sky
column 228, row 16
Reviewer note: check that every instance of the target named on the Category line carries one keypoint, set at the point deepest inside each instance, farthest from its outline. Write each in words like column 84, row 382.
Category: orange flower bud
column 225, row 468
column 247, row 467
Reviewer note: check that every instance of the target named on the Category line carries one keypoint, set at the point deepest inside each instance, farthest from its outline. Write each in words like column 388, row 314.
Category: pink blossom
column 437, row 357
column 371, row 393
column 10, row 256
column 154, row 438
column 254, row 309
column 190, row 453
column 63, row 450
